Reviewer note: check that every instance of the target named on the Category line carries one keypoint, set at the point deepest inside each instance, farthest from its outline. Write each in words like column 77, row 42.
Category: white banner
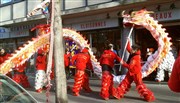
column 96, row 24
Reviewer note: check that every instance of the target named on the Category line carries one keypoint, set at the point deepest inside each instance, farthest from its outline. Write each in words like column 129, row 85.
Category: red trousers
column 81, row 79
column 22, row 80
column 106, row 85
column 125, row 85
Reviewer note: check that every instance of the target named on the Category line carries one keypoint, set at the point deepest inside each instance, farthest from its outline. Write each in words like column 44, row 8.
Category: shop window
column 93, row 2
column 8, row 45
column 101, row 38
column 21, row 41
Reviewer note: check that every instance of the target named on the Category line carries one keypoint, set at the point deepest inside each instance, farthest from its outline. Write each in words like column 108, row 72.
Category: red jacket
column 174, row 80
column 108, row 58
column 82, row 61
column 134, row 65
column 66, row 59
column 41, row 63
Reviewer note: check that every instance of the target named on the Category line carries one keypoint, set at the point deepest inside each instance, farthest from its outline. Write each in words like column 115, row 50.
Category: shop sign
column 22, row 27
column 167, row 15
column 4, row 32
column 96, row 24
column 19, row 34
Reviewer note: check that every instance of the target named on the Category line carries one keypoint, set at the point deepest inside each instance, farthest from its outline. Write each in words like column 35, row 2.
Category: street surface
column 161, row 92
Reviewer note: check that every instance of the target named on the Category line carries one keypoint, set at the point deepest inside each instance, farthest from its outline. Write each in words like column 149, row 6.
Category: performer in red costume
column 41, row 65
column 81, row 78
column 174, row 80
column 107, row 63
column 133, row 74
column 66, row 63
column 4, row 56
column 20, row 76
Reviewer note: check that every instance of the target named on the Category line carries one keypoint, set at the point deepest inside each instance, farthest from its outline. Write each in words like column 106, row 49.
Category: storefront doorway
column 100, row 38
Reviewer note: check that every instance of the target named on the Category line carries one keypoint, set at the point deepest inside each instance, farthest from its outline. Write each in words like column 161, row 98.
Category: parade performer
column 133, row 74
column 66, row 64
column 174, row 80
column 81, row 79
column 20, row 76
column 107, row 62
column 166, row 64
column 4, row 56
column 41, row 65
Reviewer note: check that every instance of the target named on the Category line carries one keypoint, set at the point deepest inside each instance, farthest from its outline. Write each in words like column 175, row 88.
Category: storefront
column 16, row 36
column 6, row 42
column 100, row 33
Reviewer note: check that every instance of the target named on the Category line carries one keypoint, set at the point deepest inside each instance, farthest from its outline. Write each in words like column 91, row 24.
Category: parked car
column 11, row 92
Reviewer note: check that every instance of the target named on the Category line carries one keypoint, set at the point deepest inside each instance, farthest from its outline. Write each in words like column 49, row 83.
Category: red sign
column 93, row 24
column 167, row 15
column 162, row 15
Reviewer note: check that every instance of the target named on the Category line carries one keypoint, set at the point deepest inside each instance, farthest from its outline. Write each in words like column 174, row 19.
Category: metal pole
column 126, row 45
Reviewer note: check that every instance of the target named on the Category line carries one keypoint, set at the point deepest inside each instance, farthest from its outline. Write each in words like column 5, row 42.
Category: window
column 8, row 2
column 70, row 4
column 5, row 1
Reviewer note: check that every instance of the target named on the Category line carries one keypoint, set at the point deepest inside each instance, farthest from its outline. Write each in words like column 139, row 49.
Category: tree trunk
column 60, row 77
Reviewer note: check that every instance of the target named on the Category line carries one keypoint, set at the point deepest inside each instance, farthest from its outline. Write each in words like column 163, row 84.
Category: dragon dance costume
column 3, row 57
column 107, row 63
column 81, row 78
column 41, row 65
column 133, row 74
column 20, row 76
column 166, row 65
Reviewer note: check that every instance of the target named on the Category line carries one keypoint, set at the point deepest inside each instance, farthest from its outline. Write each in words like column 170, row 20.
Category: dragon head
column 136, row 17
